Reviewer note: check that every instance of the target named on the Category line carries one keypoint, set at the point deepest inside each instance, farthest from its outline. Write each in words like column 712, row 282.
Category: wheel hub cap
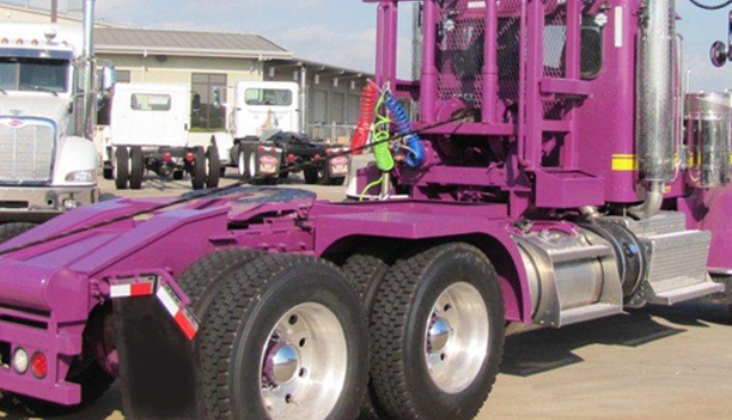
column 438, row 335
column 283, row 364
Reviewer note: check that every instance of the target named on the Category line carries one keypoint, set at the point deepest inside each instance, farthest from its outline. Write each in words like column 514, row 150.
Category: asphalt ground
column 655, row 363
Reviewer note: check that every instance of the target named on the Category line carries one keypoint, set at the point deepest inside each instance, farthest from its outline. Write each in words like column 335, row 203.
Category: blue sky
column 342, row 31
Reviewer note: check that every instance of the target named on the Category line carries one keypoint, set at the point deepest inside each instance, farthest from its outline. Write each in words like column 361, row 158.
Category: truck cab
column 266, row 107
column 49, row 163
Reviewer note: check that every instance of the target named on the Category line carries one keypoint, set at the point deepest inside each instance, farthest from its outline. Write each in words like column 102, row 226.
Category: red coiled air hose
column 369, row 97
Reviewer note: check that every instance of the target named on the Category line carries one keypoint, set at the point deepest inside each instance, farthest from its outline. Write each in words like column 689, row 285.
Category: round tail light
column 20, row 360
column 39, row 365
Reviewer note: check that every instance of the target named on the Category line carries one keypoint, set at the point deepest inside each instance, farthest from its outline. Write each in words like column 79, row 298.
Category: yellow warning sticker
column 625, row 163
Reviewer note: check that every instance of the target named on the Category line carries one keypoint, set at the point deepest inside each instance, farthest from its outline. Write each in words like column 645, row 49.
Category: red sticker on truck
column 268, row 164
column 339, row 165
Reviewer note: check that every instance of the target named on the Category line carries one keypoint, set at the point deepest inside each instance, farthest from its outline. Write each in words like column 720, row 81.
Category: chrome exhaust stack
column 655, row 106
column 85, row 102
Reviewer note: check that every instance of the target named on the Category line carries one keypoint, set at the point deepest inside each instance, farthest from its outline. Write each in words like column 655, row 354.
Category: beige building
column 206, row 61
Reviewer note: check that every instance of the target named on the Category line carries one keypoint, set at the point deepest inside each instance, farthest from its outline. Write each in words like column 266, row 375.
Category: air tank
column 707, row 123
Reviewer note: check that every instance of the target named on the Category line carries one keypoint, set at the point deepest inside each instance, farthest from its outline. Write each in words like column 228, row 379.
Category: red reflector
column 189, row 330
column 39, row 365
column 167, row 157
column 260, row 148
column 316, row 157
column 190, row 157
column 291, row 158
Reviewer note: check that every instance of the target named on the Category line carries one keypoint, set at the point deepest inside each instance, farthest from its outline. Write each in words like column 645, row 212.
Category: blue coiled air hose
column 415, row 155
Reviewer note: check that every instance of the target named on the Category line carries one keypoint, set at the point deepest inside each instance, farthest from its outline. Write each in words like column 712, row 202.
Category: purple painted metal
column 481, row 175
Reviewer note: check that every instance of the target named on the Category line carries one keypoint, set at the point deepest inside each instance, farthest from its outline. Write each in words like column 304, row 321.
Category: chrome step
column 683, row 294
column 588, row 313
column 677, row 260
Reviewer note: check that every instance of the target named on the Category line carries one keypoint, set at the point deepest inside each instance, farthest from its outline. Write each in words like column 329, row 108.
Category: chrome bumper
column 39, row 203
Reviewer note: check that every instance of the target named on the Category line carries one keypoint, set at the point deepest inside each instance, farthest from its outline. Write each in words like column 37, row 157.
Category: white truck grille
column 26, row 150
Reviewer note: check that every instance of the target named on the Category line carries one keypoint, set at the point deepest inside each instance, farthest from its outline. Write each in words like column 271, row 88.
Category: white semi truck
column 48, row 104
column 265, row 135
column 149, row 130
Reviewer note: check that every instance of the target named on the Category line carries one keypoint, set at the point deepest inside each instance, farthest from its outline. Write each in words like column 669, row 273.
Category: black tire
column 365, row 271
column 122, row 168
column 326, row 179
column 240, row 321
column 9, row 231
column 214, row 167
column 311, row 175
column 108, row 173
column 284, row 175
column 242, row 162
column 198, row 174
column 178, row 175
column 404, row 306
column 201, row 279
column 137, row 160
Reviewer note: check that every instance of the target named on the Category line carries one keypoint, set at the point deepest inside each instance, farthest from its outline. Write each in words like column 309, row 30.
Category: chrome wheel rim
column 303, row 364
column 456, row 338
column 241, row 164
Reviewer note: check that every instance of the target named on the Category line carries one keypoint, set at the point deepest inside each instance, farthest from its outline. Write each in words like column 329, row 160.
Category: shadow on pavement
column 544, row 350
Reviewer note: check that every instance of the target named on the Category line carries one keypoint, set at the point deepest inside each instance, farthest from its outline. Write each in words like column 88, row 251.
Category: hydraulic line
column 382, row 153
column 379, row 133
column 415, row 154
column 369, row 96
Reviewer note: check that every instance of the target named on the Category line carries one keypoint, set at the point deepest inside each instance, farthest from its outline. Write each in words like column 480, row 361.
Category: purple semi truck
column 556, row 174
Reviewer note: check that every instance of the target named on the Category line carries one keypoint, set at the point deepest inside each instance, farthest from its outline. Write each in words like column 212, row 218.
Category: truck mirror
column 196, row 103
column 217, row 98
column 718, row 54
column 109, row 76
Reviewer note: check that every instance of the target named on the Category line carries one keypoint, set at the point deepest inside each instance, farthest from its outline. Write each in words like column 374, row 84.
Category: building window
column 338, row 108
column 319, row 106
column 207, row 116
column 123, row 76
column 354, row 104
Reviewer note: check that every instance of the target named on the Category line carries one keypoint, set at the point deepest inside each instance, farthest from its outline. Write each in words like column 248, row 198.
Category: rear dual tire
column 206, row 171
column 437, row 330
column 283, row 338
column 129, row 168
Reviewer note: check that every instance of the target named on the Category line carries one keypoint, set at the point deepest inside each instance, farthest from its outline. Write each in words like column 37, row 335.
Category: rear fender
column 498, row 246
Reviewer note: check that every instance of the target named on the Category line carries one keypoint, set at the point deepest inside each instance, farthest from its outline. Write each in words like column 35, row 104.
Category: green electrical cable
column 368, row 187
column 379, row 136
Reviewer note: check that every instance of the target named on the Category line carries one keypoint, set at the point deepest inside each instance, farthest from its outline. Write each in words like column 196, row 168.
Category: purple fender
column 50, row 289
column 487, row 226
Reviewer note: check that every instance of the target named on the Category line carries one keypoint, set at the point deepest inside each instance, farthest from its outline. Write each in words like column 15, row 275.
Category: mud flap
column 158, row 372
